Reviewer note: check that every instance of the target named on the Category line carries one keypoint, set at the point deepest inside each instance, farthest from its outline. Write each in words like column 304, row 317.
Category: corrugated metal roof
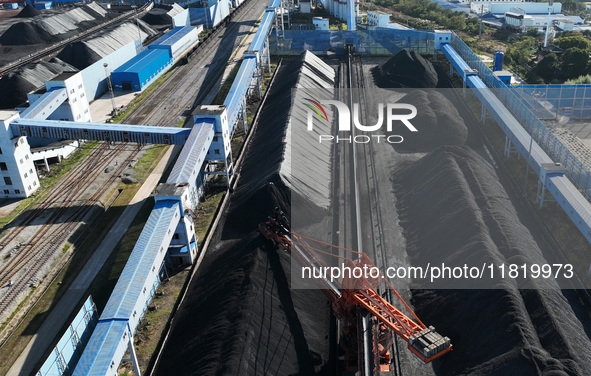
column 141, row 61
column 131, row 282
column 101, row 348
column 173, row 36
column 45, row 106
column 193, row 154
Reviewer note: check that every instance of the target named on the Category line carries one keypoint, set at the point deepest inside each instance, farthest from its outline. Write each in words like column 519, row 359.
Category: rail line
column 57, row 46
column 167, row 96
column 26, row 265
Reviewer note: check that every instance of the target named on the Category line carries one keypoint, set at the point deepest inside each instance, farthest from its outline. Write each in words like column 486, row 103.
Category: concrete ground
column 101, row 108
column 236, row 58
column 60, row 313
column 7, row 206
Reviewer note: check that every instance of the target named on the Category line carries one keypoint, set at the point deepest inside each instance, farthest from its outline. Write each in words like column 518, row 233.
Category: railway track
column 58, row 46
column 23, row 269
column 185, row 87
column 162, row 107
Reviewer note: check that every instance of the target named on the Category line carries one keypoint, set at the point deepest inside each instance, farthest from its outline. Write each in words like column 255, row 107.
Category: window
column 3, row 166
column 31, row 171
column 0, row 150
column 17, row 191
column 215, row 138
column 6, row 192
column 7, row 180
column 27, row 157
column 21, row 161
column 216, row 151
column 176, row 236
column 26, row 176
column 29, row 188
column 34, row 183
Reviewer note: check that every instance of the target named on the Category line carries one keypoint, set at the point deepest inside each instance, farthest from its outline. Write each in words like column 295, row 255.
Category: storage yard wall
column 211, row 16
column 141, row 70
column 181, row 19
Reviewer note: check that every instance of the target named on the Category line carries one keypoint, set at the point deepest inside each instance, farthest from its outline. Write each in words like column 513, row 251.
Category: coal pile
column 81, row 54
column 438, row 123
column 28, row 11
column 406, row 70
column 161, row 15
column 453, row 208
column 240, row 316
column 15, row 86
column 302, row 168
column 56, row 27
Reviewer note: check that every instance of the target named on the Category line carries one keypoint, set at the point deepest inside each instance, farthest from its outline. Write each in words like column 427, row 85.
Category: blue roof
column 132, row 280
column 98, row 354
column 173, row 36
column 44, row 106
column 194, row 152
column 141, row 61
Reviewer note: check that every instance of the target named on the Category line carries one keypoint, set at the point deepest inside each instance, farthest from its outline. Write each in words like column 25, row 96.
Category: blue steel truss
column 142, row 134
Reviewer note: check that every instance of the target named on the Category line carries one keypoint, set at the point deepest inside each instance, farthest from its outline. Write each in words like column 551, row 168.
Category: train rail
column 45, row 52
column 162, row 107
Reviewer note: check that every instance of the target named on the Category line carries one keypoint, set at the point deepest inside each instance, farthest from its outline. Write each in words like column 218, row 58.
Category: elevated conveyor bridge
column 207, row 151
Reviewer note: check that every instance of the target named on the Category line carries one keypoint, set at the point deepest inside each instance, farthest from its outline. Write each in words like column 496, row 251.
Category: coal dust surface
column 406, row 69
column 56, row 27
column 240, row 316
column 453, row 208
column 15, row 86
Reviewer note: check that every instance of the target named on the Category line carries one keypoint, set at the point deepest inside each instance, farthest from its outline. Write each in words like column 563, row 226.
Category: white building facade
column 18, row 175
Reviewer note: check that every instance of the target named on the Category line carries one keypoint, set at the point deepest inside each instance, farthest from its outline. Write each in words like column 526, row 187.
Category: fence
column 576, row 170
column 366, row 42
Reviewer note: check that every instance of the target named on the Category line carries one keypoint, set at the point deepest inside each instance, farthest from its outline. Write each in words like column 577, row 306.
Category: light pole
column 114, row 113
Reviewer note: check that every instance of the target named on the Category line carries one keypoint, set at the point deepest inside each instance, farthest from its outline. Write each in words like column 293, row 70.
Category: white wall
column 181, row 19
column 20, row 177
column 76, row 108
column 94, row 76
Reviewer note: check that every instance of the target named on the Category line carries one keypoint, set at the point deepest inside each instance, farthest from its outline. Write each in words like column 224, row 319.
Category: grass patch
column 225, row 88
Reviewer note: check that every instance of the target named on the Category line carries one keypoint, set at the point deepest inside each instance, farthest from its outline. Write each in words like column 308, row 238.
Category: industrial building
column 141, row 70
column 177, row 40
column 381, row 20
column 454, row 6
column 209, row 142
column 483, row 7
column 518, row 19
column 342, row 10
column 19, row 178
column 209, row 14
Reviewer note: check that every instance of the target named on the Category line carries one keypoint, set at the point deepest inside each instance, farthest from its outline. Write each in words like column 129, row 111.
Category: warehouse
column 177, row 40
column 140, row 71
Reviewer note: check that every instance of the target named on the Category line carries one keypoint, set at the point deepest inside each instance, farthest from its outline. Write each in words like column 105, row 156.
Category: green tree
column 573, row 42
column 574, row 62
column 547, row 67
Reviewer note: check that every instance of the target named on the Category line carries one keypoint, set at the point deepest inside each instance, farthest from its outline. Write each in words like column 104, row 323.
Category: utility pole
column 114, row 113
